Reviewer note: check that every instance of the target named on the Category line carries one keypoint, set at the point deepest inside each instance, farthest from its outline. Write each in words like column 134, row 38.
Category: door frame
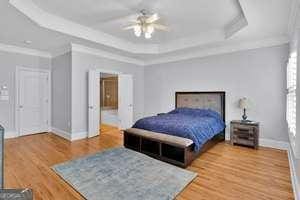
column 17, row 96
column 99, row 71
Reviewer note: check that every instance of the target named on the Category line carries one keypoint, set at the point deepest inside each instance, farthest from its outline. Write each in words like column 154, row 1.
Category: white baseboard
column 69, row 136
column 78, row 136
column 270, row 143
column 274, row 144
column 227, row 136
column 294, row 179
column 10, row 134
column 61, row 133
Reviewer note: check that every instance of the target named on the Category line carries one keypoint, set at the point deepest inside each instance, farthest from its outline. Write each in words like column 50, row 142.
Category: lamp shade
column 244, row 103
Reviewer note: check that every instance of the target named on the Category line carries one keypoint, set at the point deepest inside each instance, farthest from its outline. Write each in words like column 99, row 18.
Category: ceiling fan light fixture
column 138, row 30
column 146, row 24
column 148, row 35
column 150, row 29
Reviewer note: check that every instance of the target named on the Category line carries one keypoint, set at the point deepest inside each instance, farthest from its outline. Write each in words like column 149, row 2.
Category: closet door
column 93, row 103
column 125, row 107
column 33, row 101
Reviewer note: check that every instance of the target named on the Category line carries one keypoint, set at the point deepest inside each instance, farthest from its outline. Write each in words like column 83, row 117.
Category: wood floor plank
column 224, row 172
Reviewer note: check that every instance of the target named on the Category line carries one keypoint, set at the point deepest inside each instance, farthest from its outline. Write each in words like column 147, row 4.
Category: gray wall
column 8, row 63
column 258, row 74
column 61, row 92
column 81, row 63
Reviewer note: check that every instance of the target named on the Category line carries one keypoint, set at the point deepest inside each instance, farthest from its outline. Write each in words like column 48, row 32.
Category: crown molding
column 105, row 54
column 236, row 25
column 210, row 37
column 97, row 52
column 59, row 24
column 185, row 43
column 67, row 48
column 223, row 48
column 23, row 50
column 61, row 50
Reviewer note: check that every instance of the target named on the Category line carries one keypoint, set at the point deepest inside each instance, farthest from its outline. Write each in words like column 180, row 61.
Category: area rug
column 121, row 173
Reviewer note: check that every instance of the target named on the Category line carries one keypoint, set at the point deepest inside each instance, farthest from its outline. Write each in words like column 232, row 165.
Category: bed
column 178, row 137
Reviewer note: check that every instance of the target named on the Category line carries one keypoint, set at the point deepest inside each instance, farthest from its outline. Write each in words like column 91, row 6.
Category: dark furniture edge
column 189, row 155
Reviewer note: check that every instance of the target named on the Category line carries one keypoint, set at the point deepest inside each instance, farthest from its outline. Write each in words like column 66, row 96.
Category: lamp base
column 244, row 116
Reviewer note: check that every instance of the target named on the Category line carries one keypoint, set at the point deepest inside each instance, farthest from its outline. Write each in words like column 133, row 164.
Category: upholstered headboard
column 205, row 100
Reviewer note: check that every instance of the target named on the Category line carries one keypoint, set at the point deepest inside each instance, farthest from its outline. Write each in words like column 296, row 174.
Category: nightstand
column 244, row 133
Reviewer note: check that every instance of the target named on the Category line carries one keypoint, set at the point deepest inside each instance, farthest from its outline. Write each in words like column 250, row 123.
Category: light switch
column 4, row 95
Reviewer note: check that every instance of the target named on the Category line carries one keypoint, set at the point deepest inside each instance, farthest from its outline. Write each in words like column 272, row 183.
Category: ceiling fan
column 146, row 24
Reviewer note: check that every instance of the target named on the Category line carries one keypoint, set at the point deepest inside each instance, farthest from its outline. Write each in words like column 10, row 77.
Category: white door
column 33, row 101
column 93, row 103
column 125, row 101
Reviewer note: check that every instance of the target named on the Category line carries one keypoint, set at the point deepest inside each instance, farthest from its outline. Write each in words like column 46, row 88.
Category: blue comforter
column 199, row 125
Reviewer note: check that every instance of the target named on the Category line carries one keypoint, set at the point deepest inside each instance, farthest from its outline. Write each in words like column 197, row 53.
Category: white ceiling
column 195, row 24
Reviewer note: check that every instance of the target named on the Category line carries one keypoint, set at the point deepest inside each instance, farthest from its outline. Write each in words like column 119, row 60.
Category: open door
column 93, row 103
column 125, row 101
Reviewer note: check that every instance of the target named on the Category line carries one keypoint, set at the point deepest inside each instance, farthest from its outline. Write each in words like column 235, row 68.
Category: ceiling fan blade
column 161, row 27
column 133, row 21
column 129, row 27
column 152, row 18
column 122, row 20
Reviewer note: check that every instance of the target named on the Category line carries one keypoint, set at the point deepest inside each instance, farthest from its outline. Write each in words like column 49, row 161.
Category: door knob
column 91, row 107
column 20, row 106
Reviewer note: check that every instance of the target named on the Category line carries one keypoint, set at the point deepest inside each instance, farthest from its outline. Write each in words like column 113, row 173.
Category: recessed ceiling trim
column 105, row 54
column 236, row 25
column 59, row 24
column 220, row 49
column 223, row 49
column 185, row 43
column 61, row 50
column 23, row 50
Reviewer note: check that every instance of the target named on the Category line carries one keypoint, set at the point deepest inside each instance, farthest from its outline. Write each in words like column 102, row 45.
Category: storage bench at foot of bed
column 168, row 148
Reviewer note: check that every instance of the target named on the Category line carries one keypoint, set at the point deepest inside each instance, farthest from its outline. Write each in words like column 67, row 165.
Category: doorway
column 108, row 101
column 117, row 112
column 32, row 101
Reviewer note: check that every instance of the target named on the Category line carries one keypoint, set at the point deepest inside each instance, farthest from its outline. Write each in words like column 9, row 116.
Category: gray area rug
column 124, row 174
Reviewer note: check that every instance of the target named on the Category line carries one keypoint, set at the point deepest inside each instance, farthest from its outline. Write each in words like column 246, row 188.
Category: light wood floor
column 224, row 172
column 106, row 128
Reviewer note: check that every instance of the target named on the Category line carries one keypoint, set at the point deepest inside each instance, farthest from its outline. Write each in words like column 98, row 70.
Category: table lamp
column 244, row 104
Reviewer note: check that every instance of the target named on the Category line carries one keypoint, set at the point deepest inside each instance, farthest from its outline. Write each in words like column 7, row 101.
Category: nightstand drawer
column 246, row 142
column 243, row 128
column 244, row 136
column 239, row 131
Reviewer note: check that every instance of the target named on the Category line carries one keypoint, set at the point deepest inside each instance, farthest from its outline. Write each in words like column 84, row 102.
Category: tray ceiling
column 196, row 23
column 184, row 19
column 198, row 27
